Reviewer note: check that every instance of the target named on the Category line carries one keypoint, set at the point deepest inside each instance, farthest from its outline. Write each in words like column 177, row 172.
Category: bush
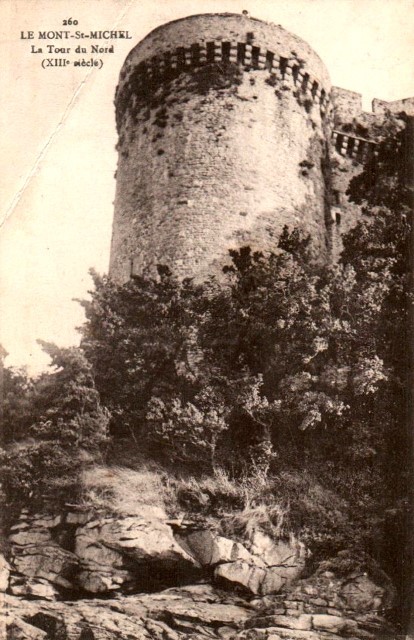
column 68, row 430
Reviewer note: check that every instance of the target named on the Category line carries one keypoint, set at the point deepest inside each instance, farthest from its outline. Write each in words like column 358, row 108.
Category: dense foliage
column 53, row 426
column 281, row 369
column 280, row 366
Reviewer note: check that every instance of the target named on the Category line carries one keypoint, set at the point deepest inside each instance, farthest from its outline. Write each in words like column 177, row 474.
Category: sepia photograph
column 206, row 327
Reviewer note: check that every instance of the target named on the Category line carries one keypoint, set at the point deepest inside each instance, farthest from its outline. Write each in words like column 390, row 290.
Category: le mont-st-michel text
column 65, row 47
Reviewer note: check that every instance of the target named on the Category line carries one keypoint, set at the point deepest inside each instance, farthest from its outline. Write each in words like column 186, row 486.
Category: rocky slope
column 82, row 576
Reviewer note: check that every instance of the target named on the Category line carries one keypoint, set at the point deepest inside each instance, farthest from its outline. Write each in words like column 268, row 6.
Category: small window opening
column 283, row 66
column 338, row 143
column 225, row 51
column 270, row 56
column 305, row 81
column 314, row 88
column 338, row 217
column 249, row 37
column 295, row 73
column 195, row 53
column 255, row 57
column 210, row 51
column 241, row 50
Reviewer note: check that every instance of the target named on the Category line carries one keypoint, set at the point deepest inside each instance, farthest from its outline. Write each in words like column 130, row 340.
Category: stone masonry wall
column 223, row 125
column 355, row 138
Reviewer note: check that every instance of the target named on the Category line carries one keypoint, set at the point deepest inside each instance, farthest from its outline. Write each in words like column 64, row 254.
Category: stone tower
column 223, row 124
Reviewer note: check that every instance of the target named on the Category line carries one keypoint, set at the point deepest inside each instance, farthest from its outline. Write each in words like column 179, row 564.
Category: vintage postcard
column 206, row 319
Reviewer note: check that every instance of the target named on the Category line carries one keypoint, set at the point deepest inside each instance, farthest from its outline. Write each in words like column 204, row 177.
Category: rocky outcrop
column 265, row 569
column 325, row 606
column 131, row 553
column 196, row 612
column 80, row 552
column 79, row 576
column 4, row 574
column 40, row 566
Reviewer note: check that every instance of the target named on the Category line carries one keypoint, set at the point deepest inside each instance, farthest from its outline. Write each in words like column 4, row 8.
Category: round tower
column 223, row 123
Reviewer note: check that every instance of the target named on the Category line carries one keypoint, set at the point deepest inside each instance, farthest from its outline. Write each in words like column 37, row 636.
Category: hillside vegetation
column 278, row 396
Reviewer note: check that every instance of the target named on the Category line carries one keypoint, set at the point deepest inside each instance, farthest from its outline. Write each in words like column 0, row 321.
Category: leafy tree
column 68, row 429
column 137, row 339
column 17, row 403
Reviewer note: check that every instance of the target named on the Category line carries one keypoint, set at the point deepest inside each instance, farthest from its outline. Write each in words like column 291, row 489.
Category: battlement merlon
column 380, row 107
column 348, row 105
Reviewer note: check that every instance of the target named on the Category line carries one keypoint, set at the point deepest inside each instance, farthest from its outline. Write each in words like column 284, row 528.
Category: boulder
column 30, row 537
column 272, row 582
column 241, row 574
column 303, row 622
column 289, row 557
column 78, row 517
column 33, row 588
column 209, row 549
column 360, row 593
column 41, row 521
column 48, row 561
column 130, row 552
column 90, row 549
column 140, row 540
column 98, row 580
column 19, row 630
column 334, row 624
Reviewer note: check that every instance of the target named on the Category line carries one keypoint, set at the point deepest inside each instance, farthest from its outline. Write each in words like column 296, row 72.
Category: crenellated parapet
column 138, row 82
column 359, row 149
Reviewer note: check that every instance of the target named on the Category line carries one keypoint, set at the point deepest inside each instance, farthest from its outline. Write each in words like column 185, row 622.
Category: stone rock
column 19, row 630
column 41, row 521
column 242, row 574
column 30, row 537
column 149, row 541
column 174, row 614
column 90, row 549
column 360, row 593
column 48, row 561
column 128, row 551
column 334, row 624
column 210, row 549
column 253, row 578
column 78, row 517
column 280, row 633
column 303, row 622
column 97, row 580
column 34, row 588
column 20, row 526
column 327, row 593
column 4, row 573
column 272, row 582
column 289, row 557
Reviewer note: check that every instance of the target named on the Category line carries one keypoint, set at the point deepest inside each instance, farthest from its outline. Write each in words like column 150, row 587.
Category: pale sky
column 58, row 136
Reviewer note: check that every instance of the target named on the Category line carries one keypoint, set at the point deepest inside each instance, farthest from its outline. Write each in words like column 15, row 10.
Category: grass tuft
column 128, row 492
